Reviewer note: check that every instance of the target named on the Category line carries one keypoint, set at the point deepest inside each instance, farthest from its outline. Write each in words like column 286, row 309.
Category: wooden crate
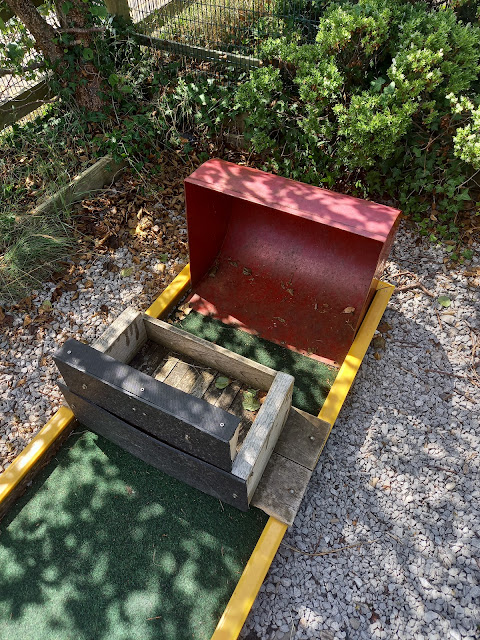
column 175, row 431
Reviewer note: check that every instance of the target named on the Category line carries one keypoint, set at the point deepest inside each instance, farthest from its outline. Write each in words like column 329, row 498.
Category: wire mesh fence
column 236, row 28
column 209, row 36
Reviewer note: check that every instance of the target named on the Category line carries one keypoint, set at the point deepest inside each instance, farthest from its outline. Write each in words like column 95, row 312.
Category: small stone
column 354, row 623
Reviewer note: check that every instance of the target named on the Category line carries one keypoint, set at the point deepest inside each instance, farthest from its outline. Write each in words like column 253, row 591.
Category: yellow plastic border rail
column 246, row 591
column 251, row 580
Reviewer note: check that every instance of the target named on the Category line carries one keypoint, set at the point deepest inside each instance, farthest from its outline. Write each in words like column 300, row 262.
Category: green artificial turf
column 104, row 547
column 313, row 379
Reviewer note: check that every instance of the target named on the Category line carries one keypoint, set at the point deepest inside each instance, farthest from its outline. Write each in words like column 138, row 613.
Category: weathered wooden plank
column 176, row 463
column 210, row 355
column 124, row 337
column 303, row 438
column 181, row 377
column 199, row 53
column 103, row 172
column 227, row 396
column 281, row 488
column 119, row 8
column 164, row 370
column 286, row 476
column 202, row 383
column 164, row 412
column 23, row 103
column 262, row 437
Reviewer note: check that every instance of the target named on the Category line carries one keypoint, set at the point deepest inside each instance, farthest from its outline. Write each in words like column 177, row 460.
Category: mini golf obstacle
column 284, row 296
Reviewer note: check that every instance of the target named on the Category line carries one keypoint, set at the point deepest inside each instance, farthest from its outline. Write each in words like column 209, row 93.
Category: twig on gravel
column 415, row 285
column 446, row 373
column 439, row 320
column 394, row 537
column 329, row 551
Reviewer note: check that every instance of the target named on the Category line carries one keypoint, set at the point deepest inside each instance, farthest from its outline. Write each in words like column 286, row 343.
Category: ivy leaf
column 126, row 272
column 163, row 257
column 2, row 25
column 250, row 401
column 113, row 79
column 46, row 305
column 66, row 6
column 221, row 382
column 99, row 11
column 444, row 301
column 377, row 84
column 87, row 53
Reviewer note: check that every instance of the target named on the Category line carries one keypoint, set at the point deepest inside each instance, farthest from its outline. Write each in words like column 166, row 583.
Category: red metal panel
column 294, row 263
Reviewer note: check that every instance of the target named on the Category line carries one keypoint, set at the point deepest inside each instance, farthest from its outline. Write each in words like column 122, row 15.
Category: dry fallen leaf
column 349, row 310
column 21, row 382
column 378, row 342
column 88, row 284
column 384, row 327
column 27, row 320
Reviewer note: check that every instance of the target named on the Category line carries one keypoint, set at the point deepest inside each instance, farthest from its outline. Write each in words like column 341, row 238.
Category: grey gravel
column 399, row 476
column 28, row 376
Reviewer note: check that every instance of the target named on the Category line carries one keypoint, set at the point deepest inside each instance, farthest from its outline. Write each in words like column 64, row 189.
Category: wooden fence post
column 119, row 8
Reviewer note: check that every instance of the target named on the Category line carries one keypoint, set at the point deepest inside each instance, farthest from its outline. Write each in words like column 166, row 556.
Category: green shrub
column 386, row 99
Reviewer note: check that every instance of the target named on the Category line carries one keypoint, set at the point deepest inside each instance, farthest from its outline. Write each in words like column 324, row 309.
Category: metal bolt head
column 222, row 424
column 312, row 438
column 142, row 389
column 292, row 491
column 69, row 352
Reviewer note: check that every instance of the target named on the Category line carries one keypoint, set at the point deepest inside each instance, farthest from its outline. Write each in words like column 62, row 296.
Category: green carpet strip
column 104, row 547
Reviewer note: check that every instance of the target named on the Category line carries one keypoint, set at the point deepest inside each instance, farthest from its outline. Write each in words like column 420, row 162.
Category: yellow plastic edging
column 47, row 435
column 246, row 591
column 351, row 364
column 243, row 597
column 34, row 451
column 175, row 290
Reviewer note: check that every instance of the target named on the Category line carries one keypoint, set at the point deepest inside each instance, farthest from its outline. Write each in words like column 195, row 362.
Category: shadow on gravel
column 388, row 477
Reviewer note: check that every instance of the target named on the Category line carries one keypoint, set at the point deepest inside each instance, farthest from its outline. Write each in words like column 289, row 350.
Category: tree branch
column 78, row 30
column 43, row 32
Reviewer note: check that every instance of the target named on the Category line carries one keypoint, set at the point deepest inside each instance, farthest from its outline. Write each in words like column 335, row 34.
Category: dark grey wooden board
column 287, row 474
column 281, row 488
column 303, row 438
column 175, row 417
column 197, row 473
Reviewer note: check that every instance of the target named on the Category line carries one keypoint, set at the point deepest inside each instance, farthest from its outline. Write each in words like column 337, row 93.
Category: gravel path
column 400, row 474
column 399, row 478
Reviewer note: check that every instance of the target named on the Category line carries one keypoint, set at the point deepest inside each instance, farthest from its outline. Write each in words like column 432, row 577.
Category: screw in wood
column 312, row 437
column 84, row 386
column 222, row 424
column 69, row 352
column 133, row 409
column 235, row 495
column 142, row 389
